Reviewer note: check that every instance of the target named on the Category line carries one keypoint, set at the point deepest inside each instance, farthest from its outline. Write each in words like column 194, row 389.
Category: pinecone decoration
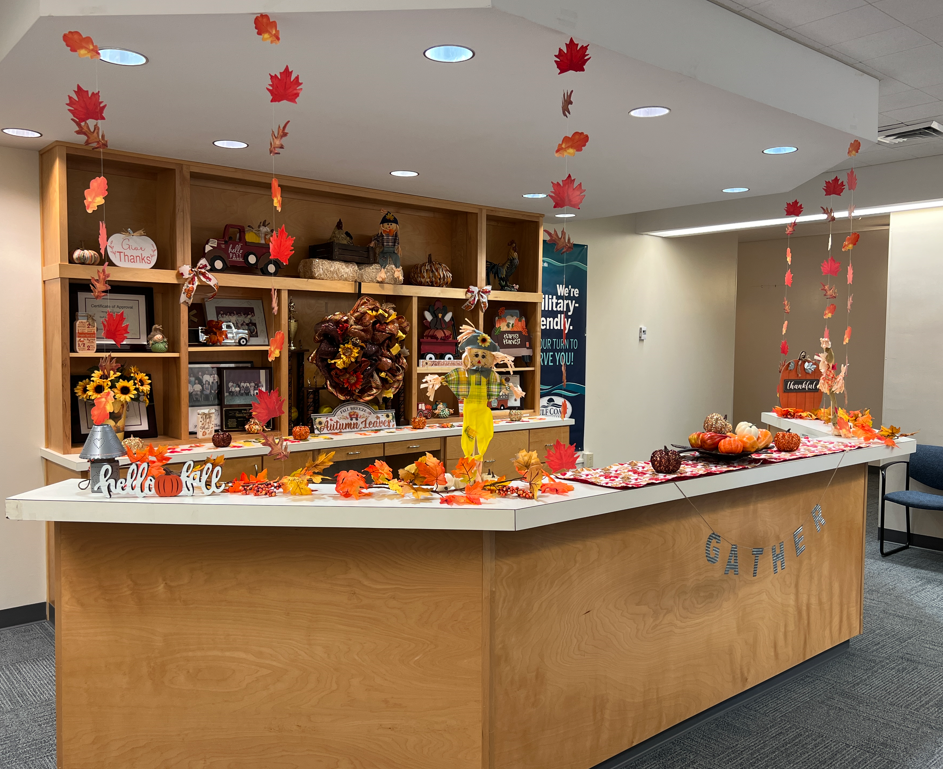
column 221, row 440
column 715, row 423
column 300, row 433
column 254, row 426
column 788, row 441
column 419, row 422
column 665, row 461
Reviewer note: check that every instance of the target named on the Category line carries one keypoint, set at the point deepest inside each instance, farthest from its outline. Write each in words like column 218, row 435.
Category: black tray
column 716, row 455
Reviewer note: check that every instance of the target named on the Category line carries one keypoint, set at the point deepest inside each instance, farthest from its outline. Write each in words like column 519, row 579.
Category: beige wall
column 22, row 543
column 762, row 265
column 642, row 395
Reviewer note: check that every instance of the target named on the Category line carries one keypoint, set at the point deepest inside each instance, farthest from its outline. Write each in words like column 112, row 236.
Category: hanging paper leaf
column 267, row 29
column 847, row 335
column 850, row 298
column 274, row 301
column 788, row 277
column 276, row 195
column 115, row 328
column 829, row 292
column 794, row 208
column 787, row 308
column 350, row 484
column 84, row 46
column 561, row 457
column 788, row 255
column 275, row 345
column 830, row 266
column 851, row 272
column 102, row 407
column 852, row 180
column 572, row 144
column 784, row 347
column 850, row 242
column 829, row 311
column 99, row 283
column 825, row 335
column 282, row 246
column 275, row 143
column 102, row 240
column 276, row 447
column 94, row 137
column 95, row 194
column 572, row 58
column 267, row 405
column 284, row 87
column 85, row 106
column 829, row 214
column 567, row 102
column 559, row 242
column 854, row 148
column 790, row 228
column 567, row 194
column 785, row 326
column 834, row 186
column 851, row 210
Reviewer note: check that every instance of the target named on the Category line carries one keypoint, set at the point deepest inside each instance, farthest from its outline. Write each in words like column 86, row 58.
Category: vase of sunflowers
column 126, row 384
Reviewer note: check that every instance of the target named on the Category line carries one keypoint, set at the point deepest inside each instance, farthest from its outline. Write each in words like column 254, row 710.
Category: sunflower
column 104, row 376
column 484, row 340
column 96, row 389
column 346, row 355
column 81, row 388
column 125, row 390
column 141, row 380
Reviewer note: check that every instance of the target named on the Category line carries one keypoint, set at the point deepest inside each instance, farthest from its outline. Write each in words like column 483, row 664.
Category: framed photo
column 141, row 421
column 240, row 385
column 137, row 304
column 196, row 317
column 247, row 314
column 203, row 388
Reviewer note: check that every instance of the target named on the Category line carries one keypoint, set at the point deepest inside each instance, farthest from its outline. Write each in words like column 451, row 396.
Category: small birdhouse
column 102, row 448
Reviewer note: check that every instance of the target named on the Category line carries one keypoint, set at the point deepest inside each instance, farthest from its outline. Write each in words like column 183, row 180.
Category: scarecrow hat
column 388, row 218
column 473, row 339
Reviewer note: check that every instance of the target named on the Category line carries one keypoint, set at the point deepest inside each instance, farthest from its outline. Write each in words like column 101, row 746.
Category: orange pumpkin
column 694, row 439
column 730, row 446
column 764, row 440
column 710, row 441
column 168, row 485
column 750, row 442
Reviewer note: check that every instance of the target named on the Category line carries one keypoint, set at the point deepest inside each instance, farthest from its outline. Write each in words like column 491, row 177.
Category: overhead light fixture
column 404, row 173
column 780, row 150
column 122, row 57
column 733, row 190
column 448, row 54
column 229, row 144
column 534, row 195
column 565, row 216
column 649, row 111
column 782, row 220
column 23, row 133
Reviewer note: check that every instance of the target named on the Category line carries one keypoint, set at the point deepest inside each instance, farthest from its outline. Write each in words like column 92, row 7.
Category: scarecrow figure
column 478, row 383
column 386, row 243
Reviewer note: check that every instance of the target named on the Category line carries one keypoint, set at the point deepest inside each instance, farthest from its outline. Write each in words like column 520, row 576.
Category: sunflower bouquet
column 126, row 385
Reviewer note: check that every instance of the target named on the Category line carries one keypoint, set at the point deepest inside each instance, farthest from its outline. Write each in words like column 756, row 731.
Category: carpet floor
column 877, row 706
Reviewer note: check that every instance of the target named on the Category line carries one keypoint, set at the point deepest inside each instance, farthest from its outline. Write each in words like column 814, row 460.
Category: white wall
column 642, row 395
column 913, row 373
column 22, row 543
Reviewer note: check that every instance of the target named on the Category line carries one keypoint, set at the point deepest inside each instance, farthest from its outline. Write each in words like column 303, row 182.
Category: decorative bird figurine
column 340, row 235
column 499, row 275
column 157, row 340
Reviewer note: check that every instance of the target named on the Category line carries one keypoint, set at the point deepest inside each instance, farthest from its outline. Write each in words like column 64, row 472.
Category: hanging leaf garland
column 95, row 194
column 567, row 194
column 275, row 143
column 115, row 328
column 267, row 29
column 84, row 46
column 793, row 208
column 282, row 246
column 284, row 86
column 572, row 144
column 572, row 57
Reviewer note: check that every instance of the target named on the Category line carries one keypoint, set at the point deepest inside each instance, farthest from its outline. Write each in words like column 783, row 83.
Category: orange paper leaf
column 282, row 246
column 854, row 148
column 267, row 405
column 567, row 102
column 115, row 328
column 788, row 255
column 850, row 242
column 276, row 195
column 572, row 57
column 102, row 241
column 556, row 487
column 567, row 194
column 99, row 283
column 852, row 180
column 84, row 46
column 785, row 326
column 276, row 344
column 102, row 407
column 851, row 273
column 350, row 484
column 267, row 29
column 572, row 144
column 275, row 143
column 829, row 311
column 561, row 457
column 95, row 194
column 788, row 277
column 847, row 335
column 284, row 87
column 790, row 228
column 830, row 266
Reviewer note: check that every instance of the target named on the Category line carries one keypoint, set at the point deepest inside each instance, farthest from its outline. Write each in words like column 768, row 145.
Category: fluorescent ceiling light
column 780, row 150
column 448, row 54
column 228, row 144
column 122, row 57
column 735, row 189
column 534, row 195
column 783, row 220
column 404, row 173
column 23, row 133
column 649, row 111
column 565, row 216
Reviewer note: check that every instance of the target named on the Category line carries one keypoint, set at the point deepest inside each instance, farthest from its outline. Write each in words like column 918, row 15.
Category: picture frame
column 141, row 421
column 203, row 389
column 137, row 303
column 238, row 388
column 234, row 419
column 196, row 317
column 248, row 314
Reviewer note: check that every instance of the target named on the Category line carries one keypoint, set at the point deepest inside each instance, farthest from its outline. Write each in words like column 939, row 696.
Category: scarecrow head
column 389, row 224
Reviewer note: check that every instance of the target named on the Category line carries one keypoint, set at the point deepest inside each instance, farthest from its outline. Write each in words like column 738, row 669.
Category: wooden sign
column 127, row 249
column 353, row 417
column 86, row 333
column 138, row 483
column 799, row 384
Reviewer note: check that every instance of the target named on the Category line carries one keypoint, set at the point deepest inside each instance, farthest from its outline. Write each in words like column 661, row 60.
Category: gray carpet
column 878, row 706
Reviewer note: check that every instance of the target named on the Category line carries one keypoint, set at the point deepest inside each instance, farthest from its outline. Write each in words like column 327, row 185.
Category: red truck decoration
column 234, row 251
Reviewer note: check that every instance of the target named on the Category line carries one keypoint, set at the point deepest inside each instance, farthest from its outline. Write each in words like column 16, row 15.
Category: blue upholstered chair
column 924, row 466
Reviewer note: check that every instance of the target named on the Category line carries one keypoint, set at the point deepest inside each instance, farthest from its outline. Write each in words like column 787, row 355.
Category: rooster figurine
column 499, row 275
column 340, row 235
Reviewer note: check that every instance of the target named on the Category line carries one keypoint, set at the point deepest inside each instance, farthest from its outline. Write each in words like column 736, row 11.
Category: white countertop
column 385, row 510
column 814, row 428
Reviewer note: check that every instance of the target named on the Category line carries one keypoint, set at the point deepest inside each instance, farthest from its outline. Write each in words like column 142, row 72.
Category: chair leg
column 881, row 533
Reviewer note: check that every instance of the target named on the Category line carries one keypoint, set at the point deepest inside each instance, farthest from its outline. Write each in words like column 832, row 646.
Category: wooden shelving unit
column 182, row 204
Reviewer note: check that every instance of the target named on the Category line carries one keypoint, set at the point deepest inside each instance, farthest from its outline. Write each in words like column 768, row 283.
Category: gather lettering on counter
column 137, row 483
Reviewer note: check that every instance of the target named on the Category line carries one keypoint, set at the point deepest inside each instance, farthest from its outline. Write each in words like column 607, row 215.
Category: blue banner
column 563, row 338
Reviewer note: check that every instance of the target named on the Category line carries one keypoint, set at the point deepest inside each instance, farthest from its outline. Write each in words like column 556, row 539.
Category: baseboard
column 624, row 759
column 52, row 615
column 916, row 540
column 22, row 615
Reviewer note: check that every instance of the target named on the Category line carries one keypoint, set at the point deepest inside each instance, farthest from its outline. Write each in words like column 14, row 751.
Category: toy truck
column 234, row 251
column 233, row 335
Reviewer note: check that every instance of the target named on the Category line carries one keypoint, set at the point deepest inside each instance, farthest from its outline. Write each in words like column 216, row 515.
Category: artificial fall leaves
column 267, row 29
column 852, row 180
column 276, row 447
column 85, row 106
column 854, row 148
column 572, row 57
column 850, row 242
column 276, row 195
column 84, row 46
column 561, row 457
column 102, row 407
column 788, row 278
column 99, row 284
column 282, row 246
column 567, row 102
column 275, row 345
column 267, row 405
column 115, row 328
column 794, row 208
column 95, row 194
column 834, row 186
column 285, row 86
column 567, row 194
column 560, row 242
column 102, row 241
column 275, row 143
column 572, row 144
column 351, row 485
column 830, row 266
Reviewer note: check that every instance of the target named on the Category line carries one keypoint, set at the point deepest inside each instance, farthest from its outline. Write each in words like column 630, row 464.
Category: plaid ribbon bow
column 191, row 278
column 473, row 295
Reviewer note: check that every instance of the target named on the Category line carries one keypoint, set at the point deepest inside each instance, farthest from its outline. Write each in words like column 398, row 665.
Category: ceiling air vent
column 929, row 130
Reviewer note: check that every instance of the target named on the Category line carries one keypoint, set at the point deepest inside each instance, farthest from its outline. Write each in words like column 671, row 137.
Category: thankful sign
column 800, row 385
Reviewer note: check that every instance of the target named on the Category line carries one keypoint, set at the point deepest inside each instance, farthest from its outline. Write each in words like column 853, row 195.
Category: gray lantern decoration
column 101, row 448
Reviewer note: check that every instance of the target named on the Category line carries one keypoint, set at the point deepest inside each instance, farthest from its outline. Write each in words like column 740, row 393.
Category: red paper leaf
column 829, row 292
column 567, row 194
column 834, row 186
column 788, row 277
column 267, row 405
column 276, row 447
column 276, row 195
column 825, row 335
column 350, row 484
column 561, row 457
column 829, row 311
column 99, row 283
column 275, row 143
column 282, row 246
column 784, row 347
column 830, row 266
column 102, row 241
column 787, row 308
column 850, row 242
column 572, row 58
column 84, row 46
column 567, row 102
column 85, row 106
column 851, row 273
column 788, row 255
column 854, row 148
column 852, row 180
column 829, row 214
column 275, row 345
column 95, row 194
column 790, row 228
column 794, row 208
column 267, row 29
column 115, row 328
column 847, row 335
column 559, row 242
column 284, row 87
column 572, row 144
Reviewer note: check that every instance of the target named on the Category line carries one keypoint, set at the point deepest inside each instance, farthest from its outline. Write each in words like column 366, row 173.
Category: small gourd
column 715, row 423
column 300, row 432
column 85, row 256
column 665, row 461
column 254, row 426
column 730, row 446
column 419, row 422
column 787, row 441
column 747, row 428
column 168, row 485
column 430, row 273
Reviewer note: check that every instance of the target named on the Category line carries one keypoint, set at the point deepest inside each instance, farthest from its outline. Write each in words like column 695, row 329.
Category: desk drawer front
column 420, row 445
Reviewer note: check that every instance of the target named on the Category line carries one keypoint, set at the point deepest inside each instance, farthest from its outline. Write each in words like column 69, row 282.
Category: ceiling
column 899, row 42
column 483, row 131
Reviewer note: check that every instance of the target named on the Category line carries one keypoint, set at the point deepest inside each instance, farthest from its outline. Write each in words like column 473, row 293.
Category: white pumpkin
column 747, row 428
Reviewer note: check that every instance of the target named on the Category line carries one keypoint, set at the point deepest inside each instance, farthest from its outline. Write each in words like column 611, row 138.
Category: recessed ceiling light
column 534, row 195
column 736, row 189
column 122, row 57
column 228, row 144
column 565, row 216
column 780, row 150
column 404, row 173
column 649, row 111
column 23, row 133
column 448, row 54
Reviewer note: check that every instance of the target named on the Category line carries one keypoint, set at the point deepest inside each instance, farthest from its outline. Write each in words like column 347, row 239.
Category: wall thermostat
column 642, row 333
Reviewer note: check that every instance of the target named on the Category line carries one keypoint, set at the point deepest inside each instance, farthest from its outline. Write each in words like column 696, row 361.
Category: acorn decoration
column 221, row 440
column 419, row 422
column 254, row 426
column 665, row 461
column 787, row 441
column 715, row 423
column 300, row 432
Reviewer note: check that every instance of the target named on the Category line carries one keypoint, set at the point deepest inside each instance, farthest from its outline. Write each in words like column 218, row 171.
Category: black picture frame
column 237, row 398
column 80, row 297
column 195, row 404
column 79, row 433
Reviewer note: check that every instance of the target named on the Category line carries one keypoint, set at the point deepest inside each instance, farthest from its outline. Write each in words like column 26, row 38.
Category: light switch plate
column 642, row 333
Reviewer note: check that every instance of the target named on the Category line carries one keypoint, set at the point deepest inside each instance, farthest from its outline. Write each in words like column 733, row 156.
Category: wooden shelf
column 228, row 348
column 446, row 369
column 248, row 280
column 103, row 353
column 115, row 274
column 384, row 289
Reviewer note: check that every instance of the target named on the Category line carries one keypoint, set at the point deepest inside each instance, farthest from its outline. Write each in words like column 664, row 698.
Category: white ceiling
column 482, row 131
column 899, row 42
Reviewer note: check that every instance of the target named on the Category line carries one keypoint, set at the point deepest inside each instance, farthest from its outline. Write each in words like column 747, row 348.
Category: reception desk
column 320, row 632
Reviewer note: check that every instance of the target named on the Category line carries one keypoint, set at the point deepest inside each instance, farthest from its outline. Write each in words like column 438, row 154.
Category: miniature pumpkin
column 710, row 441
column 168, row 485
column 764, row 439
column 747, row 428
column 730, row 446
column 749, row 442
column 300, row 432
column 516, row 415
column 788, row 441
column 715, row 423
column 85, row 256
column 430, row 273
column 254, row 426
column 694, row 440
column 665, row 461
column 221, row 440
column 419, row 422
